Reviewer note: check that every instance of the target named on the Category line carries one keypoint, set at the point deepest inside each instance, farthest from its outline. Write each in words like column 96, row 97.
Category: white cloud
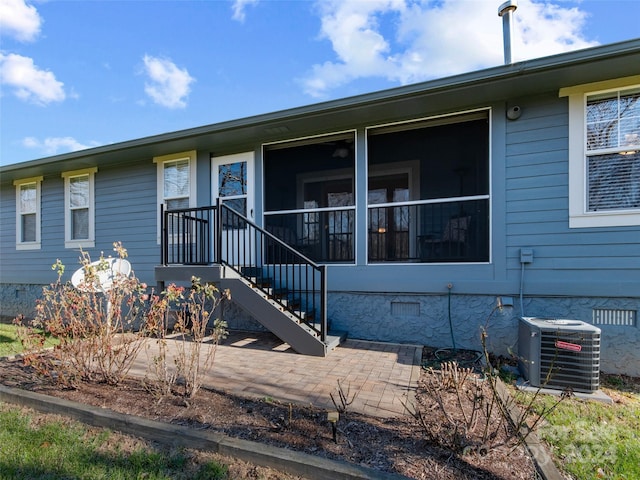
column 238, row 8
column 407, row 41
column 28, row 82
column 548, row 28
column 19, row 19
column 55, row 145
column 167, row 84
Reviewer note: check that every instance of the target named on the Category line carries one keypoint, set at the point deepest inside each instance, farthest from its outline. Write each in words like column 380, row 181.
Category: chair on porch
column 452, row 242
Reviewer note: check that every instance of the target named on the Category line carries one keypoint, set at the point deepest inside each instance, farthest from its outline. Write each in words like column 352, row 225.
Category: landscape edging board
column 289, row 461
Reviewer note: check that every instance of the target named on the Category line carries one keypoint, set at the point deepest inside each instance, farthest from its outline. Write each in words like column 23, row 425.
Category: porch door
column 392, row 218
column 232, row 182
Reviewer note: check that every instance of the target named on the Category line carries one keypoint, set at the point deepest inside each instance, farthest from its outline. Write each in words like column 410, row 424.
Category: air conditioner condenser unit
column 559, row 353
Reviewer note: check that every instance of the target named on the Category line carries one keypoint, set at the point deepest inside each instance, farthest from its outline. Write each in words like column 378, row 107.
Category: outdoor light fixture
column 514, row 112
column 333, row 418
column 341, row 152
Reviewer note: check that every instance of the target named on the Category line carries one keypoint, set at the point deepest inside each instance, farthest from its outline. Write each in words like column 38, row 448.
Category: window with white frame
column 28, row 213
column 604, row 153
column 79, row 200
column 176, row 182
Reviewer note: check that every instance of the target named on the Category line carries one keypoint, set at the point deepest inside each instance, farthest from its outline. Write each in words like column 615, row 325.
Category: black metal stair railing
column 289, row 278
column 186, row 235
column 220, row 235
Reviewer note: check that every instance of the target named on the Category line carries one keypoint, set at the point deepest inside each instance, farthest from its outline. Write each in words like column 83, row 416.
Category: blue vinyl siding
column 32, row 266
column 591, row 261
column 529, row 210
column 125, row 209
column 126, row 212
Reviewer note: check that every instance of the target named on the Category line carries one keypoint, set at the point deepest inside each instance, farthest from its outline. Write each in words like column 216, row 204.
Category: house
column 403, row 215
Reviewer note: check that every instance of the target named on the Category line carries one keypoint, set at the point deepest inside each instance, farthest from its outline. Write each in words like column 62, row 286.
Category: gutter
column 430, row 87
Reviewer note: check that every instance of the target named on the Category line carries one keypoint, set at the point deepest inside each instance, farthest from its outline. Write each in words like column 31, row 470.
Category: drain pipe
column 505, row 11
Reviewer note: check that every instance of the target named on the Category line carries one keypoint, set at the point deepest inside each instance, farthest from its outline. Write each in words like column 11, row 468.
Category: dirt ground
column 422, row 446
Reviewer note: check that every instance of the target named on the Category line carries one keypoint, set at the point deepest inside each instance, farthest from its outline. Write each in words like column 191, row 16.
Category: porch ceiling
column 464, row 91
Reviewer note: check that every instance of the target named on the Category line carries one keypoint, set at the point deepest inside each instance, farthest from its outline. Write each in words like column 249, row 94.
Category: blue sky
column 79, row 74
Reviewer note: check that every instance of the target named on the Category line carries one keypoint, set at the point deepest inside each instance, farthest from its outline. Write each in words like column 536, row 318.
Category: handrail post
column 218, row 232
column 164, row 251
column 323, row 302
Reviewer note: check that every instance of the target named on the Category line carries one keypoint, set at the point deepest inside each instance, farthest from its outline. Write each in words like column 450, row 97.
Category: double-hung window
column 79, row 199
column 604, row 153
column 176, row 182
column 28, row 213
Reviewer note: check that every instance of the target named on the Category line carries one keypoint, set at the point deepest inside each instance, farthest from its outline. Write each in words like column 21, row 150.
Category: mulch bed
column 400, row 445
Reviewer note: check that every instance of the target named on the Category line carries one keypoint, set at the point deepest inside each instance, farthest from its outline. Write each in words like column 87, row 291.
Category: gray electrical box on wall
column 526, row 255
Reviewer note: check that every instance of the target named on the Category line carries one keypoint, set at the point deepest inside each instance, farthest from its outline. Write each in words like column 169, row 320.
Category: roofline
column 478, row 77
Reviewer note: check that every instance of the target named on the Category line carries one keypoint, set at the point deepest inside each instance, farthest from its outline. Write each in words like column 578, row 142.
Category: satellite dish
column 105, row 276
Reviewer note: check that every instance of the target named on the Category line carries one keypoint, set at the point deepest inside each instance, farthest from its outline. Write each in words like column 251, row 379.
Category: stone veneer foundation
column 423, row 319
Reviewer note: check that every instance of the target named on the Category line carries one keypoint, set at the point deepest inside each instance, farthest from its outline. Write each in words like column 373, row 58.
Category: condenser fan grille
column 562, row 366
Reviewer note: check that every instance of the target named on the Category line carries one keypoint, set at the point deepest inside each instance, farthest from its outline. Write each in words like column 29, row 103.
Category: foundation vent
column 404, row 309
column 607, row 316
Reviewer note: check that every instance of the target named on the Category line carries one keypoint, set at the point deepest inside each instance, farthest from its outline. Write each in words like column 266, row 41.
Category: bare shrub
column 461, row 396
column 94, row 328
column 185, row 348
column 480, row 415
column 345, row 398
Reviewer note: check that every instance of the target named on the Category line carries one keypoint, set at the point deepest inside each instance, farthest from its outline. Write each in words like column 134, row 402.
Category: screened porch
column 427, row 192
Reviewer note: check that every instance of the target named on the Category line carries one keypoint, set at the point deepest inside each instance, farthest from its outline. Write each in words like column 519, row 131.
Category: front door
column 232, row 183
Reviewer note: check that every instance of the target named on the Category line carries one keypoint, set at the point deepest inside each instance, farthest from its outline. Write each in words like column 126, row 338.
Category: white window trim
column 160, row 161
column 249, row 159
column 20, row 245
column 68, row 241
column 579, row 216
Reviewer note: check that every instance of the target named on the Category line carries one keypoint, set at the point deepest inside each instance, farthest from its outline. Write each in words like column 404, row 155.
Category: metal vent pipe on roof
column 505, row 10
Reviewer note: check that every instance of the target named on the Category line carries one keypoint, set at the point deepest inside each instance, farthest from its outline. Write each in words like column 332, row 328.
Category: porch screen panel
column 310, row 196
column 428, row 190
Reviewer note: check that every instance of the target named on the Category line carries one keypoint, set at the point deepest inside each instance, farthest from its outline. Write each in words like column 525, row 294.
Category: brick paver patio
column 260, row 365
